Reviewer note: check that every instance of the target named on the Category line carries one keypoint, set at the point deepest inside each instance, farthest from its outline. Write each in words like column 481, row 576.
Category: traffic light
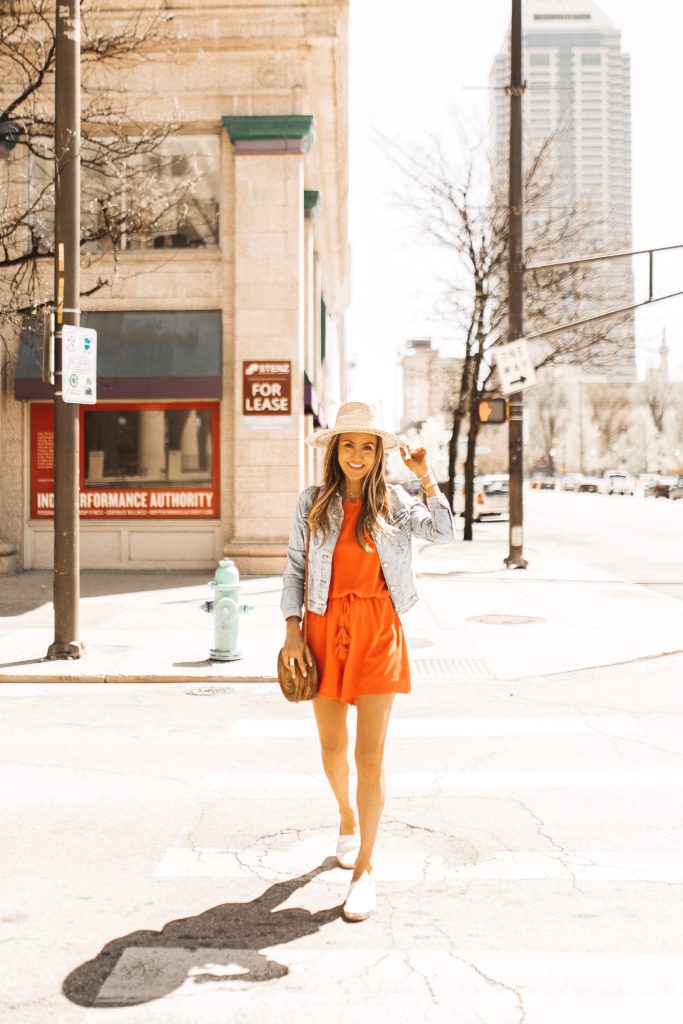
column 492, row 410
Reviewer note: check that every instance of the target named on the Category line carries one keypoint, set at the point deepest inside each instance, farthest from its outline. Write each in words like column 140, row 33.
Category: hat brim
column 322, row 438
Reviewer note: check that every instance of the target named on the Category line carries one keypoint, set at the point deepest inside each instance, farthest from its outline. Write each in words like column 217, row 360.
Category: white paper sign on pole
column 79, row 365
column 515, row 368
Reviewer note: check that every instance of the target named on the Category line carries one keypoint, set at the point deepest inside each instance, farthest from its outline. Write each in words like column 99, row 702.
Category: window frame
column 41, row 420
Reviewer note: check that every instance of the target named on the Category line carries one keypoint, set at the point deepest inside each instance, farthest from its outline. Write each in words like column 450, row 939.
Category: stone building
column 221, row 341
column 428, row 379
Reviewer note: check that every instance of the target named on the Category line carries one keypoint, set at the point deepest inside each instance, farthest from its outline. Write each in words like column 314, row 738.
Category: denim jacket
column 410, row 518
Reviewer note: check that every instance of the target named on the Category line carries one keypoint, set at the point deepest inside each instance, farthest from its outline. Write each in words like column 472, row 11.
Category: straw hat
column 356, row 418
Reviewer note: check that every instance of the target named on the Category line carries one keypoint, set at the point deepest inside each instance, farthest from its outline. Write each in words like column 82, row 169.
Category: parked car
column 457, row 488
column 662, row 489
column 491, row 496
column 648, row 481
column 411, row 484
column 571, row 481
column 589, row 483
column 619, row 482
column 676, row 491
column 543, row 483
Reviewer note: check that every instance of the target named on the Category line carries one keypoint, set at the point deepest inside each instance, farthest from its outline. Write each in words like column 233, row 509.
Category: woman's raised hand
column 416, row 459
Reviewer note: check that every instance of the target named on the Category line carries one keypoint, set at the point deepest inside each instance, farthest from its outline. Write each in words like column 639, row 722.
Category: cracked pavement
column 135, row 891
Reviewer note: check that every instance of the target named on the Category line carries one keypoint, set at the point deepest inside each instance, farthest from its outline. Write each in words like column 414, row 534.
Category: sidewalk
column 476, row 620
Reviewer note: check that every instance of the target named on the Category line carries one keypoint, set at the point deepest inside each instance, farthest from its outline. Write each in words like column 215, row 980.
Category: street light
column 10, row 131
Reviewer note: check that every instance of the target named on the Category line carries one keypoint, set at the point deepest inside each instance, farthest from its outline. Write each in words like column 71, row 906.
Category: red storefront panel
column 134, row 499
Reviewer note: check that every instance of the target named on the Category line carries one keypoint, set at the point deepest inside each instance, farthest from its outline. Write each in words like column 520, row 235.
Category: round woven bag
column 294, row 684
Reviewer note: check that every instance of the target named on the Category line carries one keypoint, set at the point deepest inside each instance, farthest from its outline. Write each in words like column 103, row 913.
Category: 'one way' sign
column 515, row 369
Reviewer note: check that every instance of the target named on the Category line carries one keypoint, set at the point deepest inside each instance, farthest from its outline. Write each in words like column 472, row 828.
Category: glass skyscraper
column 578, row 96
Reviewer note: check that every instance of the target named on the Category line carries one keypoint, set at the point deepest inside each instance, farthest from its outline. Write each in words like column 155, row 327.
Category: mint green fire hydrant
column 226, row 611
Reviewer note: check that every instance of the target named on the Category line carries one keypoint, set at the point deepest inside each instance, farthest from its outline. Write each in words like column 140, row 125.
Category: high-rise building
column 578, row 97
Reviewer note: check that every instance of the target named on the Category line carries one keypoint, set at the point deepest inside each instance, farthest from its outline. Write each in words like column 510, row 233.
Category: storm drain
column 418, row 641
column 451, row 668
column 207, row 691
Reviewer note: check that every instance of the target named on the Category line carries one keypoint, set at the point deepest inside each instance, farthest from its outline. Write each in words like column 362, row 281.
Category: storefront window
column 151, row 460
column 160, row 447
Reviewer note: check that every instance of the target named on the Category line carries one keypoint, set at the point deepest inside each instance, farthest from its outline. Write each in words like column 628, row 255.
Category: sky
column 407, row 71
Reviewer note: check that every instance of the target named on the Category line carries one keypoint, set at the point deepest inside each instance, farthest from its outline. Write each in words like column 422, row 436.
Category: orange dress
column 358, row 643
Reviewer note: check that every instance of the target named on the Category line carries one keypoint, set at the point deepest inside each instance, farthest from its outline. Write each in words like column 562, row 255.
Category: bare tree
column 461, row 205
column 132, row 192
column 612, row 412
column 657, row 394
column 549, row 402
column 678, row 428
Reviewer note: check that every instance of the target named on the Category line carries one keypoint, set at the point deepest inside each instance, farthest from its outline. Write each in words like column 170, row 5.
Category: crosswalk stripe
column 305, row 728
column 283, row 785
column 423, row 866
column 417, row 984
column 21, row 689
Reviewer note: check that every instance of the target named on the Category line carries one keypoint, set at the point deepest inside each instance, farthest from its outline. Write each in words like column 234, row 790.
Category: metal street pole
column 515, row 559
column 66, row 581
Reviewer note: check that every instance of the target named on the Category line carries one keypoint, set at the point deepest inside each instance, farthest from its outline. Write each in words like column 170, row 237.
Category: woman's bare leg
column 330, row 716
column 373, row 719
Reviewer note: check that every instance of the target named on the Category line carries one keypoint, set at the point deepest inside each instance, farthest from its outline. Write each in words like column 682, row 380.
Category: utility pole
column 66, row 581
column 515, row 559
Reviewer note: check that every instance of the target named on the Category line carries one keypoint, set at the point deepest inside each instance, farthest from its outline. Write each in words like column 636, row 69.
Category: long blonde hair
column 375, row 512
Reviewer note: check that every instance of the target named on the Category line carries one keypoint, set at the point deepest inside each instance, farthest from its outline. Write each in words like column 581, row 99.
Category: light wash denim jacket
column 410, row 517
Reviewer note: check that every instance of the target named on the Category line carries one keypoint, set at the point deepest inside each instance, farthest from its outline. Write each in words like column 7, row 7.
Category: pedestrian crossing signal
column 492, row 410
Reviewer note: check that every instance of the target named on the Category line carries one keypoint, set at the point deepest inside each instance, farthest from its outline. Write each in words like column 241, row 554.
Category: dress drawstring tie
column 343, row 638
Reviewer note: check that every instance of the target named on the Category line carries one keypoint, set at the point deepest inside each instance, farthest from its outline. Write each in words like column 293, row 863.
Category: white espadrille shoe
column 360, row 901
column 348, row 848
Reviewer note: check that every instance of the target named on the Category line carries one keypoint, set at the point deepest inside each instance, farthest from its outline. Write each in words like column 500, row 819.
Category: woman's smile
column 356, row 454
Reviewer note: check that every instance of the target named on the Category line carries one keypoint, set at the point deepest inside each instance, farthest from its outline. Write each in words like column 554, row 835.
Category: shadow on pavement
column 31, row 589
column 205, row 663
column 241, row 929
column 17, row 664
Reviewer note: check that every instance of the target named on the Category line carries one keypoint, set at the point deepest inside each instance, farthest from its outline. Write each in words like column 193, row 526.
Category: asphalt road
column 638, row 538
column 166, row 856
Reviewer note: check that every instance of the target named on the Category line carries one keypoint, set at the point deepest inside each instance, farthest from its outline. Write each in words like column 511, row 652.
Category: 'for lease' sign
column 266, row 388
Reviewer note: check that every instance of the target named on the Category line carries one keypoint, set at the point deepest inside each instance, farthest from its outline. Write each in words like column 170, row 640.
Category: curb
column 107, row 678
column 114, row 678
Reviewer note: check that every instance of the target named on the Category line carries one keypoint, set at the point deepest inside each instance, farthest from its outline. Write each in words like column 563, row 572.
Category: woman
column 359, row 579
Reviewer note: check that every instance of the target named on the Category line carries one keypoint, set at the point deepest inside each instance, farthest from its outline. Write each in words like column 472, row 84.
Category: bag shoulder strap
column 308, row 544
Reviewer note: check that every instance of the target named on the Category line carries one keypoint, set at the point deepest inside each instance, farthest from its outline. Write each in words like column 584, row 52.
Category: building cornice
column 270, row 133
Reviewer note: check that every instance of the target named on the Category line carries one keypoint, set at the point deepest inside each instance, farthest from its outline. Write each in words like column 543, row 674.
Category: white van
column 491, row 496
column 619, row 482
